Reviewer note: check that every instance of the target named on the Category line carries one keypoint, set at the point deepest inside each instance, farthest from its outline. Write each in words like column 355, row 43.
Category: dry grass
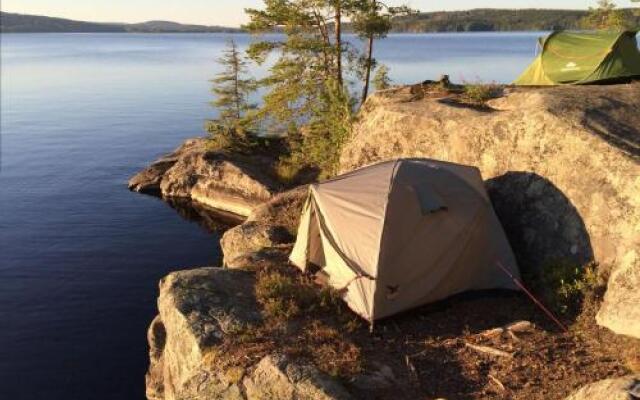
column 301, row 320
column 426, row 348
column 479, row 93
column 284, row 209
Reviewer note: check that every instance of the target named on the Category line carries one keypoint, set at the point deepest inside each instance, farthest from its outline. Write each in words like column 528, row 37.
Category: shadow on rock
column 542, row 225
column 547, row 234
column 603, row 122
column 214, row 221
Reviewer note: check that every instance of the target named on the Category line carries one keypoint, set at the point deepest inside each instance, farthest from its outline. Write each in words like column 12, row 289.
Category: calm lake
column 80, row 256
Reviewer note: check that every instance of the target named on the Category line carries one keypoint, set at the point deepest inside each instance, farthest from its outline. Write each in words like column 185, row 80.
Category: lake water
column 80, row 256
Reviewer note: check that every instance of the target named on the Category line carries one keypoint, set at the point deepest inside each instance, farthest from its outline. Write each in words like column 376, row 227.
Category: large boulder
column 563, row 164
column 197, row 310
column 214, row 179
column 277, row 378
column 148, row 180
column 624, row 388
column 251, row 237
column 218, row 182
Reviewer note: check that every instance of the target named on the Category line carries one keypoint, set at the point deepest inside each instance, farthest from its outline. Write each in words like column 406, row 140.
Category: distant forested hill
column 32, row 23
column 10, row 22
column 494, row 20
column 445, row 21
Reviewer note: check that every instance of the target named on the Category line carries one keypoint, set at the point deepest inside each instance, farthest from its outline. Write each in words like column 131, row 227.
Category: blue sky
column 230, row 12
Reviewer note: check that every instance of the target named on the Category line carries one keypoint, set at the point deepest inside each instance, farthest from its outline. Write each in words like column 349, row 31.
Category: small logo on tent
column 571, row 66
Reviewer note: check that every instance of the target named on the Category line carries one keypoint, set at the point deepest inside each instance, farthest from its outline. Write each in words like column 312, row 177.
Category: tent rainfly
column 403, row 233
column 583, row 57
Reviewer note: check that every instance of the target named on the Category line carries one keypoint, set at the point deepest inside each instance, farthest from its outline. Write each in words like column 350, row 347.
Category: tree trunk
column 236, row 80
column 338, row 33
column 367, row 78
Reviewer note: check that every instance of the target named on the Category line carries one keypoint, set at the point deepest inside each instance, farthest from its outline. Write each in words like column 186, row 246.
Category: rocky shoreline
column 567, row 188
column 207, row 177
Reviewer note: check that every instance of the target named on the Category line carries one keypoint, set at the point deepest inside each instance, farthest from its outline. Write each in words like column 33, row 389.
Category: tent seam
column 396, row 167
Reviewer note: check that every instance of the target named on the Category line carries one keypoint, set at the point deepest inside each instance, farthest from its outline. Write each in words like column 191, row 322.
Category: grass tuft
column 479, row 93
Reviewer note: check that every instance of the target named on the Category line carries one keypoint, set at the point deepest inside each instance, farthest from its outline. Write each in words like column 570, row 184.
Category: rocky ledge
column 563, row 166
column 230, row 184
column 563, row 174
column 198, row 309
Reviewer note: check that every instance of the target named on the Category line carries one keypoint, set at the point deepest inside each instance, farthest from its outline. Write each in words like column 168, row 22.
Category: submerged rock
column 625, row 388
column 210, row 178
column 563, row 165
column 197, row 309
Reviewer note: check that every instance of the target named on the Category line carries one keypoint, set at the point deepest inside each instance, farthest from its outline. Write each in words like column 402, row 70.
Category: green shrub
column 564, row 285
column 480, row 93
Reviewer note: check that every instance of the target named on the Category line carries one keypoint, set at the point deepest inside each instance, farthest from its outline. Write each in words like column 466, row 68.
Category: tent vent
column 392, row 291
column 429, row 200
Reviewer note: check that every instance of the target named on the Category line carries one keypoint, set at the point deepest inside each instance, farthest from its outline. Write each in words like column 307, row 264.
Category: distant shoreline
column 476, row 20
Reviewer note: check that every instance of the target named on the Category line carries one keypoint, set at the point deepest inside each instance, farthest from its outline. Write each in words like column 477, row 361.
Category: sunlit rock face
column 563, row 170
column 624, row 388
column 197, row 309
column 210, row 178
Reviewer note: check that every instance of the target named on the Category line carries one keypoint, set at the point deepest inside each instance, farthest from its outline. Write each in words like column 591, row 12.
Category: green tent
column 583, row 57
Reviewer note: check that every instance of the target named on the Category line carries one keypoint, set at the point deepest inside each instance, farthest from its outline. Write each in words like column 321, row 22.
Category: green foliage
column 563, row 285
column 306, row 96
column 232, row 89
column 605, row 16
column 373, row 20
column 284, row 296
column 498, row 20
column 329, row 129
column 480, row 93
column 381, row 79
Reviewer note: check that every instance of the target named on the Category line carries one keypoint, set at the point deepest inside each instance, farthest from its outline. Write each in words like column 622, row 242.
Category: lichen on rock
column 197, row 309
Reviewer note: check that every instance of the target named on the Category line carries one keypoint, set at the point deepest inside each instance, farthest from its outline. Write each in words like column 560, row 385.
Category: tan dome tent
column 403, row 233
column 583, row 57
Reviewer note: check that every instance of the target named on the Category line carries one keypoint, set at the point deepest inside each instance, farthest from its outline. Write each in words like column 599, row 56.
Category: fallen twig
column 520, row 326
column 489, row 350
column 497, row 382
column 492, row 332
column 513, row 336
column 413, row 374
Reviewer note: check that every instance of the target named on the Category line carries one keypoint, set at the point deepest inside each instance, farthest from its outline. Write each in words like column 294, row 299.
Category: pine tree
column 381, row 80
column 372, row 20
column 232, row 89
column 306, row 95
column 307, row 90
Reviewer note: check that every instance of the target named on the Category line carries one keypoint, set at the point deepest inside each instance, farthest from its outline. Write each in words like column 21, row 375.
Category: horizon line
column 240, row 26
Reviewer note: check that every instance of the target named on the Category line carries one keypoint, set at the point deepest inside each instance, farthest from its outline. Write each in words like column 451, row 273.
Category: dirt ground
column 439, row 351
column 428, row 350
